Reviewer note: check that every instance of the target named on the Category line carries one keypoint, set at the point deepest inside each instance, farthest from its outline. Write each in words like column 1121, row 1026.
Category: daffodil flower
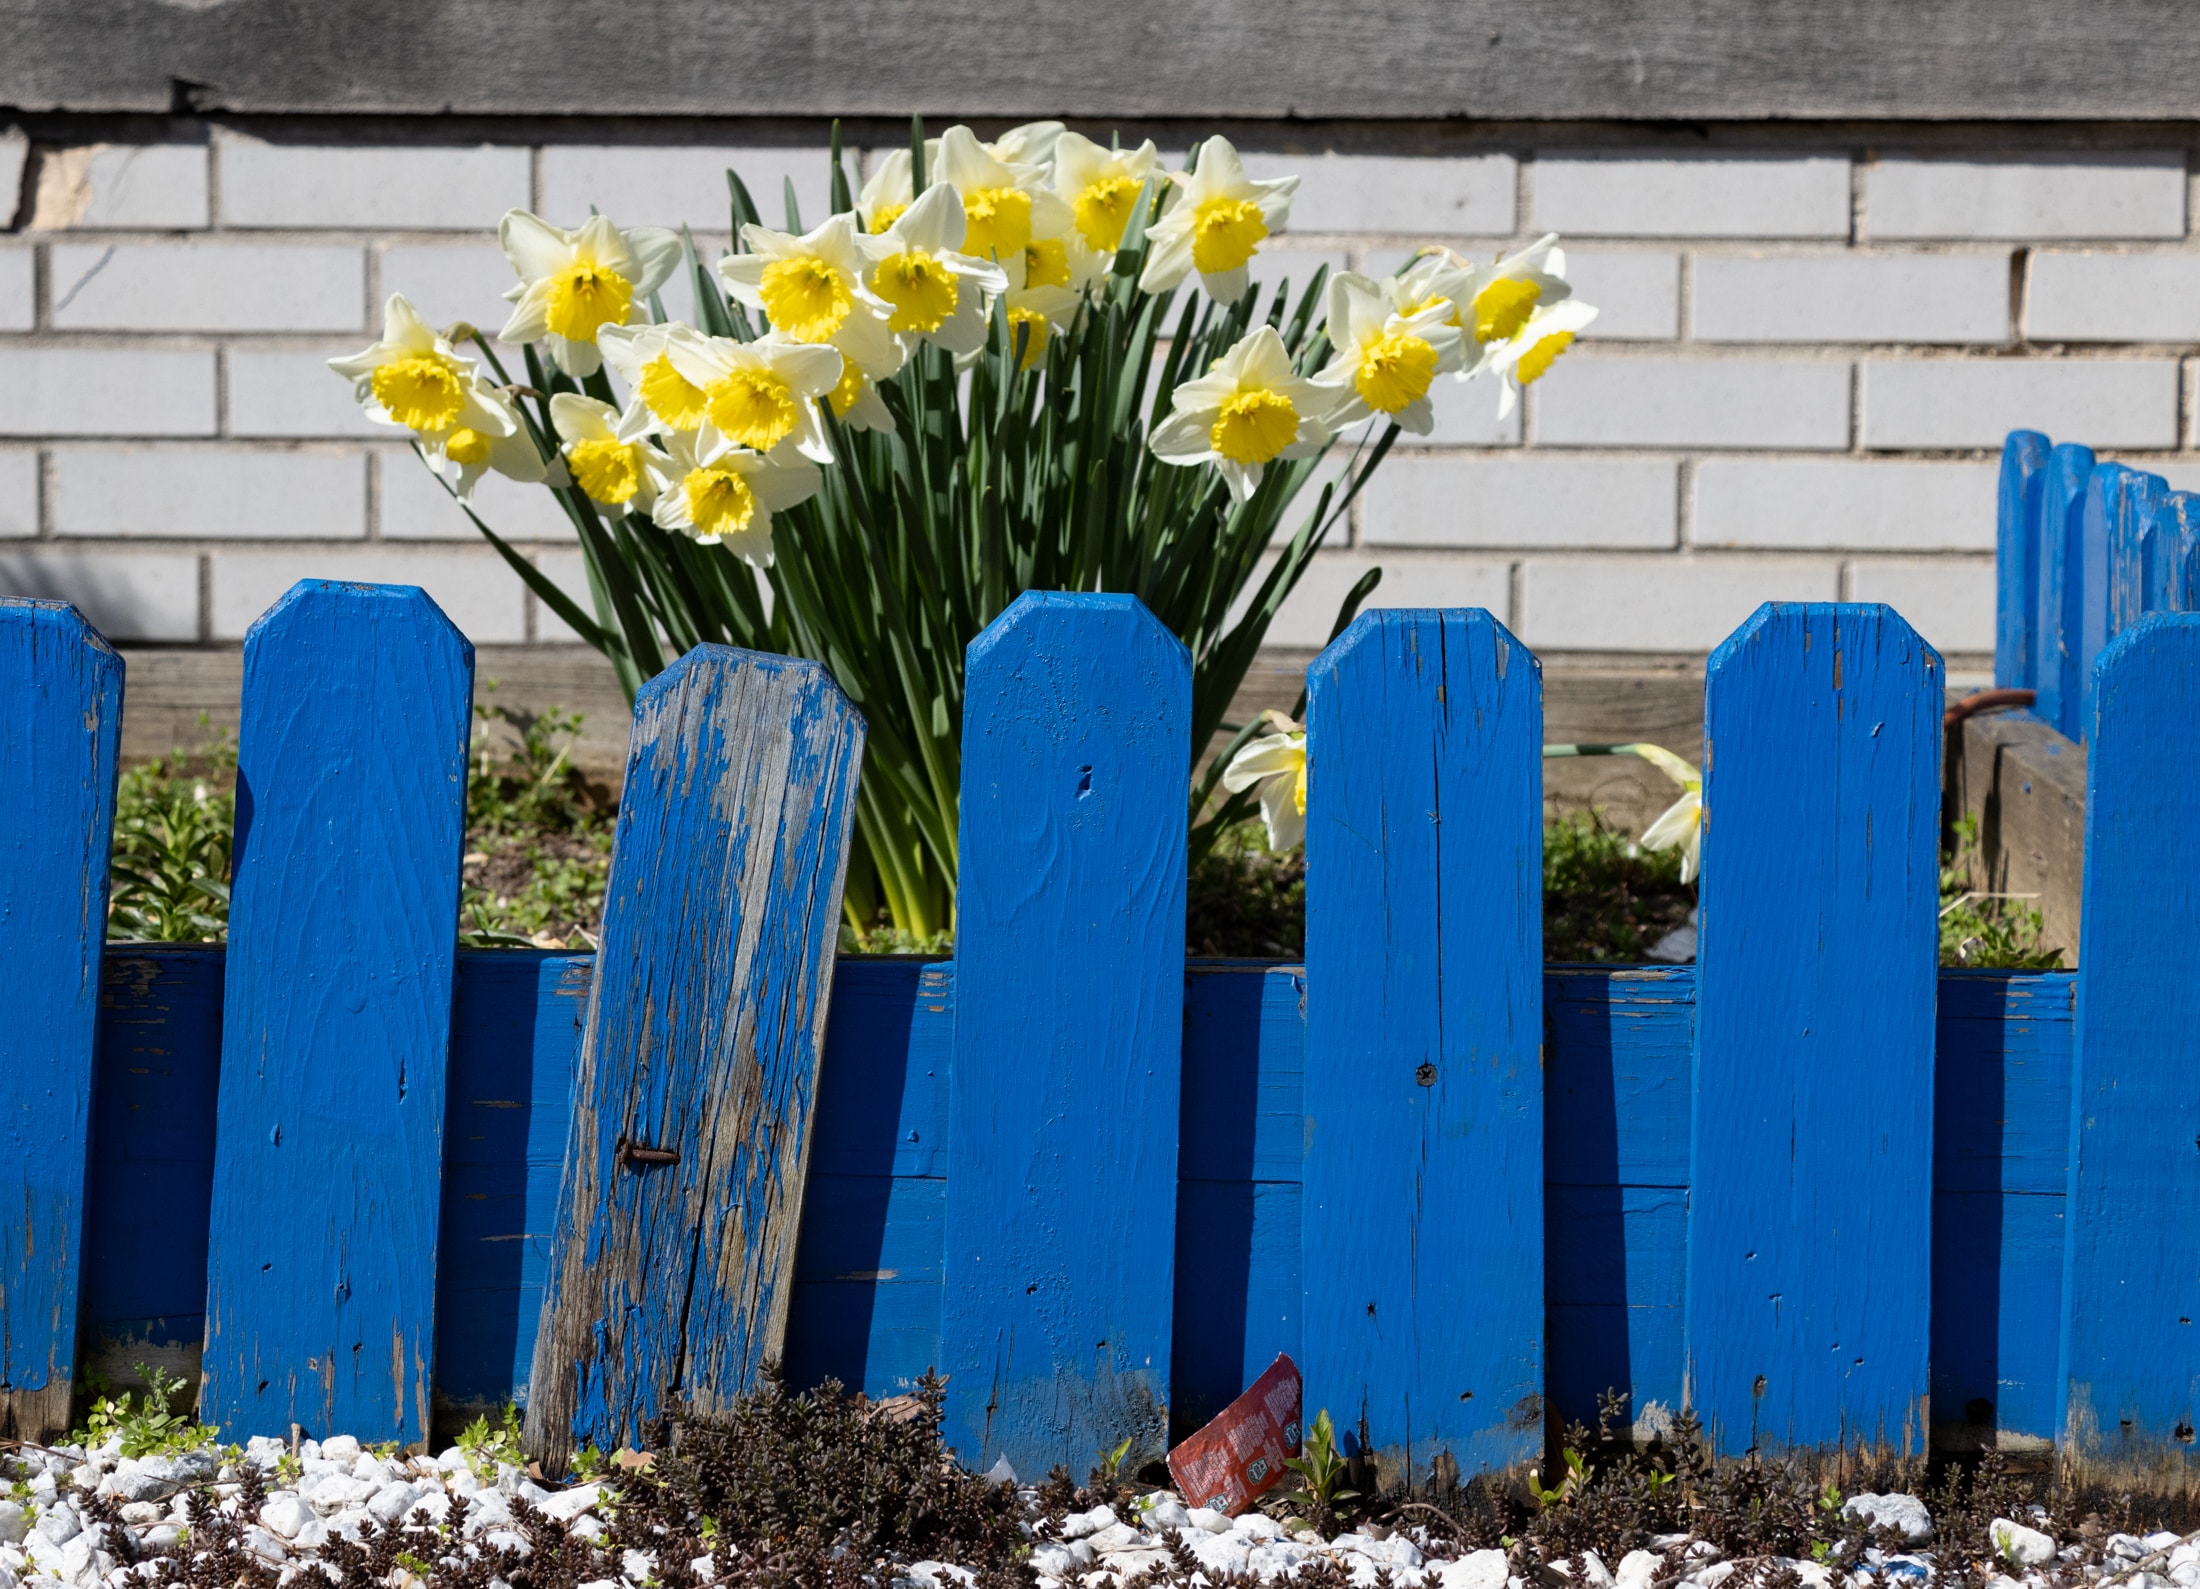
column 611, row 469
column 1276, row 764
column 663, row 399
column 856, row 402
column 1527, row 358
column 720, row 494
column 762, row 395
column 1101, row 186
column 812, row 288
column 1035, row 314
column 890, row 187
column 937, row 292
column 571, row 284
column 1247, row 411
column 1005, row 204
column 1388, row 352
column 415, row 380
column 1511, row 292
column 1215, row 225
column 1440, row 279
column 1034, row 143
column 1681, row 824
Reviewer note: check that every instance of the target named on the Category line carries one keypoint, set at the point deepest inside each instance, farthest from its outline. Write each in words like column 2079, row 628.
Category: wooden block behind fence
column 1069, row 1023
column 2062, row 585
column 336, row 1015
column 2131, row 1295
column 2017, row 560
column 1423, row 1205
column 670, row 1279
column 1810, row 1231
column 62, row 684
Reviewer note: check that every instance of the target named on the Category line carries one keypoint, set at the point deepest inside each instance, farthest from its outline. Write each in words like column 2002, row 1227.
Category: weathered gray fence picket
column 672, row 1259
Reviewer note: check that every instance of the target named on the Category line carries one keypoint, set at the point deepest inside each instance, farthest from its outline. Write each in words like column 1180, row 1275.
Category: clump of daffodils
column 1037, row 360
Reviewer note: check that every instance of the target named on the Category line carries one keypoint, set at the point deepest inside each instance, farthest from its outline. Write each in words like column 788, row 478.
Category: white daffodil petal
column 1280, row 813
column 1263, row 758
column 532, row 244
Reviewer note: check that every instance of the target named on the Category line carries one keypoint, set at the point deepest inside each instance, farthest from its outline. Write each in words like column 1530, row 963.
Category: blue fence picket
column 2111, row 592
column 2160, row 515
column 1069, row 993
column 2017, row 560
column 2062, row 585
column 336, row 1019
column 2184, row 576
column 1810, row 1221
column 1423, row 1216
column 63, row 686
column 671, row 1267
column 2130, row 1380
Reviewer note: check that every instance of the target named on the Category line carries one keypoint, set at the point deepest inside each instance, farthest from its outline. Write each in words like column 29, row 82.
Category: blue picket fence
column 1810, row 1187
column 2083, row 550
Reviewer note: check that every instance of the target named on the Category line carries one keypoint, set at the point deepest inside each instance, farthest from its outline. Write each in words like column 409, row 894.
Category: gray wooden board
column 1705, row 59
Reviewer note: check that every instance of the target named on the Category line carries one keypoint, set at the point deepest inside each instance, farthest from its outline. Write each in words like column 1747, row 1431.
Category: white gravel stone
column 1119, row 1536
column 1637, row 1568
column 263, row 1544
column 14, row 1522
column 433, row 1507
column 489, row 1510
column 1211, row 1519
column 1257, row 1525
column 934, row 1575
column 1079, row 1524
column 1904, row 1512
column 2126, row 1547
column 59, row 1525
column 1477, row 1569
column 285, row 1514
column 566, row 1505
column 340, row 1448
column 1165, row 1511
column 391, row 1501
column 2020, row 1546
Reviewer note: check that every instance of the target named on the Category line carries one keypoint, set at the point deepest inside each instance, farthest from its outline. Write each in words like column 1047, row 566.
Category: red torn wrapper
column 1239, row 1456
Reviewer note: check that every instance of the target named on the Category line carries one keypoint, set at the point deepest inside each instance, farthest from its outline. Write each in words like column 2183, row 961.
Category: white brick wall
column 1525, row 502
column 18, row 492
column 655, row 185
column 471, row 584
column 2140, row 195
column 207, row 287
column 1818, row 504
column 1661, row 604
column 1466, row 196
column 1807, row 357
column 2089, row 297
column 1950, row 604
column 18, row 282
column 1630, row 196
column 201, row 493
column 1667, row 402
column 428, row 188
column 1976, row 403
column 1853, row 298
